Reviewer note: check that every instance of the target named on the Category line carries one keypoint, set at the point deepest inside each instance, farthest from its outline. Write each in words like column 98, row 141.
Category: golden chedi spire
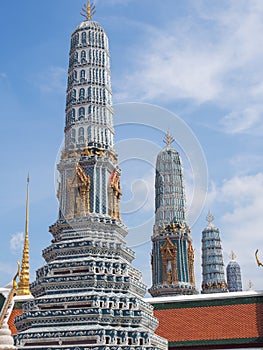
column 23, row 285
column 88, row 11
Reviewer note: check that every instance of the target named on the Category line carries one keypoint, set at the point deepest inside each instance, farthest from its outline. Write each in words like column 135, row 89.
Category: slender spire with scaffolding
column 212, row 259
column 23, row 285
column 172, row 250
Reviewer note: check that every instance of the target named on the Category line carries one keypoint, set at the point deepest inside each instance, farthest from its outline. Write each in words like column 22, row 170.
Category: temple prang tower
column 233, row 273
column 212, row 260
column 87, row 295
column 172, row 249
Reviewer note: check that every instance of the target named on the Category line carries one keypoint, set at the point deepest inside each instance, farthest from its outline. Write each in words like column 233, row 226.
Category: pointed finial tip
column 168, row 139
column 233, row 256
column 89, row 10
column 209, row 217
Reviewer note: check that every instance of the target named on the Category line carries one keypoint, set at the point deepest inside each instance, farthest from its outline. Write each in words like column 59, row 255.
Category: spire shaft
column 27, row 203
column 23, row 285
column 89, row 10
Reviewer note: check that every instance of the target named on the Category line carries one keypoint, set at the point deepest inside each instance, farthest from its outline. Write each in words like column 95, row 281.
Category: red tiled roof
column 211, row 322
column 14, row 314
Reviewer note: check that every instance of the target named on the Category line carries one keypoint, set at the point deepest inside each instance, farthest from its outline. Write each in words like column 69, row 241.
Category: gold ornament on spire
column 232, row 256
column 168, row 139
column 23, row 285
column 89, row 10
column 257, row 259
column 209, row 218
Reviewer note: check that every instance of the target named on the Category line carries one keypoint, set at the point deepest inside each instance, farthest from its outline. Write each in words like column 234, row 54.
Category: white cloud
column 246, row 163
column 167, row 70
column 16, row 242
column 212, row 57
column 52, row 80
column 241, row 121
column 7, row 270
column 142, row 198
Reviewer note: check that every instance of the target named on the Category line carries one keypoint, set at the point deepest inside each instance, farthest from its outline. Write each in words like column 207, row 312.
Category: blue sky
column 199, row 60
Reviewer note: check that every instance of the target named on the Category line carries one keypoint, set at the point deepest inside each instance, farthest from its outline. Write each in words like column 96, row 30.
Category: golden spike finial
column 88, row 10
column 232, row 256
column 23, row 285
column 168, row 139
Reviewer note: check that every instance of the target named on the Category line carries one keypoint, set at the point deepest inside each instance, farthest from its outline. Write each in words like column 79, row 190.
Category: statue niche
column 169, row 262
column 78, row 192
column 114, row 194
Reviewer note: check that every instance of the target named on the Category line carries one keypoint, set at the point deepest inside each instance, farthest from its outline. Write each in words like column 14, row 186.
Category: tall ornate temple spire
column 212, row 259
column 172, row 252
column 87, row 295
column 89, row 131
column 23, row 285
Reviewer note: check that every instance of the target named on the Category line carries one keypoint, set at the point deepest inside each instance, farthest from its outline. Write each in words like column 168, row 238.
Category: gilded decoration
column 23, row 285
column 175, row 226
column 88, row 151
column 88, row 10
column 257, row 259
column 191, row 259
column 214, row 285
column 78, row 190
column 114, row 194
column 169, row 262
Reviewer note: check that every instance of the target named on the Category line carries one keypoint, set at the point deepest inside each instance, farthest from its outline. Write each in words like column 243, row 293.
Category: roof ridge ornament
column 168, row 139
column 89, row 10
